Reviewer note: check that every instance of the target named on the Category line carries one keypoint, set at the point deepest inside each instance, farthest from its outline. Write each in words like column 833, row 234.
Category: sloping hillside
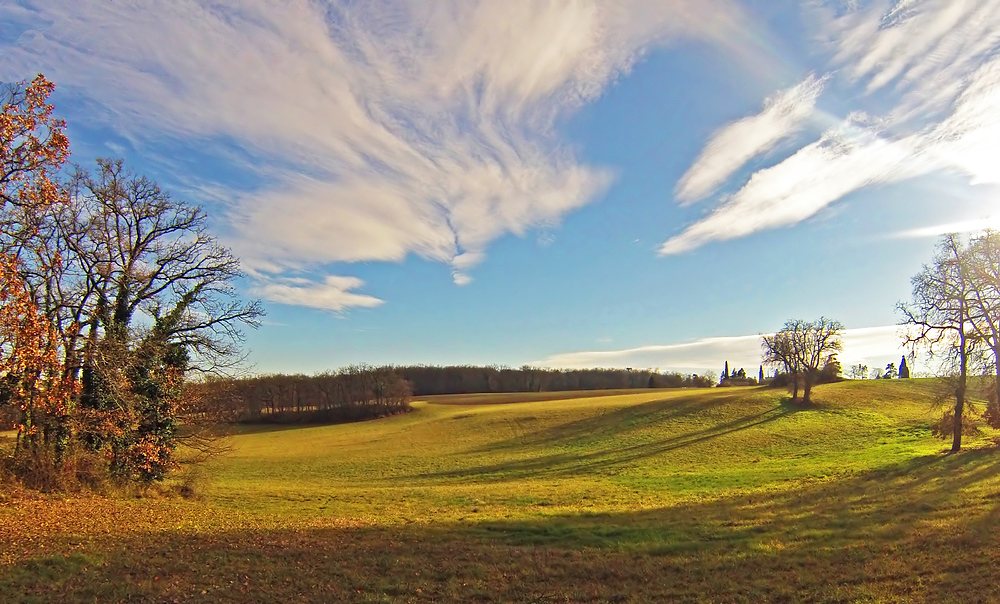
column 699, row 495
column 599, row 452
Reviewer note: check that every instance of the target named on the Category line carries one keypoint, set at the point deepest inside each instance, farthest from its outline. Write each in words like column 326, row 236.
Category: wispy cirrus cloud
column 843, row 160
column 872, row 346
column 333, row 294
column 965, row 226
column 707, row 354
column 934, row 63
column 380, row 129
column 734, row 145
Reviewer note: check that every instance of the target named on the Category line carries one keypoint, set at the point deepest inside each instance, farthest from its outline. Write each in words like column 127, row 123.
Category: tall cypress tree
column 725, row 372
column 760, row 375
column 904, row 369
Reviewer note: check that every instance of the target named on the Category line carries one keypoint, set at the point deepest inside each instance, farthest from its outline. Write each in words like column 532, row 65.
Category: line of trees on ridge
column 353, row 393
column 465, row 379
column 891, row 372
column 739, row 377
column 364, row 392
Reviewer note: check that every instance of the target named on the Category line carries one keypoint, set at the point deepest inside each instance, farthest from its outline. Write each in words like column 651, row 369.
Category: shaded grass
column 503, row 398
column 892, row 535
column 722, row 495
column 671, row 446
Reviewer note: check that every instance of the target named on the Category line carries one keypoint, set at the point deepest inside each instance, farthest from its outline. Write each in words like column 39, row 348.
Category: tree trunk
column 963, row 376
column 996, row 384
column 956, row 443
column 795, row 386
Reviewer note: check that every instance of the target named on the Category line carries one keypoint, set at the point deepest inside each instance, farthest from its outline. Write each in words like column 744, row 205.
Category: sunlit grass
column 606, row 453
column 718, row 495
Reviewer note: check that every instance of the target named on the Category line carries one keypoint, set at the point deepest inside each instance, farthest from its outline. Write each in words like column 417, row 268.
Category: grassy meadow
column 721, row 495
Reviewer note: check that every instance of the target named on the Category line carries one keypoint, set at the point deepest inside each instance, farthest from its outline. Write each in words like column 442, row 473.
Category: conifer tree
column 904, row 369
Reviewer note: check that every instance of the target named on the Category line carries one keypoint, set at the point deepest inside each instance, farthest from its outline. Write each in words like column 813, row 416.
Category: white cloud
column 842, row 161
column 333, row 294
column 733, row 146
column 933, row 63
column 969, row 139
column 873, row 346
column 965, row 226
column 923, row 49
column 708, row 354
column 381, row 129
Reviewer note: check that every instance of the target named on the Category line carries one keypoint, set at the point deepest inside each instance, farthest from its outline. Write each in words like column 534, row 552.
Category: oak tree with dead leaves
column 116, row 292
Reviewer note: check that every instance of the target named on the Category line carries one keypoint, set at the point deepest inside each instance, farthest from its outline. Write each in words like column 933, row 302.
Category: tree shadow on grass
column 613, row 422
column 922, row 531
column 617, row 455
column 510, row 398
column 919, row 489
column 247, row 429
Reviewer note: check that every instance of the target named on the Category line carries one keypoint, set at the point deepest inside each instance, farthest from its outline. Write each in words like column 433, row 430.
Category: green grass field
column 723, row 495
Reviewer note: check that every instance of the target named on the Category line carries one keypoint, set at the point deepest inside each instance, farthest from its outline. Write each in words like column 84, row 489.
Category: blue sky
column 647, row 183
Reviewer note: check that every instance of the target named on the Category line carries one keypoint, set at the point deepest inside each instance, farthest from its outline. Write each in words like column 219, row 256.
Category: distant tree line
column 363, row 392
column 891, row 372
column 739, row 377
column 353, row 393
column 466, row 379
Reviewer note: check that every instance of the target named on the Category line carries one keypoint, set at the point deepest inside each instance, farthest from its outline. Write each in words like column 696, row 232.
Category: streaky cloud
column 734, row 145
column 333, row 293
column 965, row 226
column 380, row 129
column 921, row 48
column 873, row 346
column 936, row 63
column 842, row 161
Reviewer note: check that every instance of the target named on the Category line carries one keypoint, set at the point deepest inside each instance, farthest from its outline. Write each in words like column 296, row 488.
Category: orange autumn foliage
column 33, row 146
column 87, row 383
column 31, row 363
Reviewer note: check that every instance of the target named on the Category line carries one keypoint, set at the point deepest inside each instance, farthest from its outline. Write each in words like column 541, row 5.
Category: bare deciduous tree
column 126, row 285
column 939, row 315
column 802, row 348
column 858, row 372
column 983, row 259
column 779, row 351
column 142, row 295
